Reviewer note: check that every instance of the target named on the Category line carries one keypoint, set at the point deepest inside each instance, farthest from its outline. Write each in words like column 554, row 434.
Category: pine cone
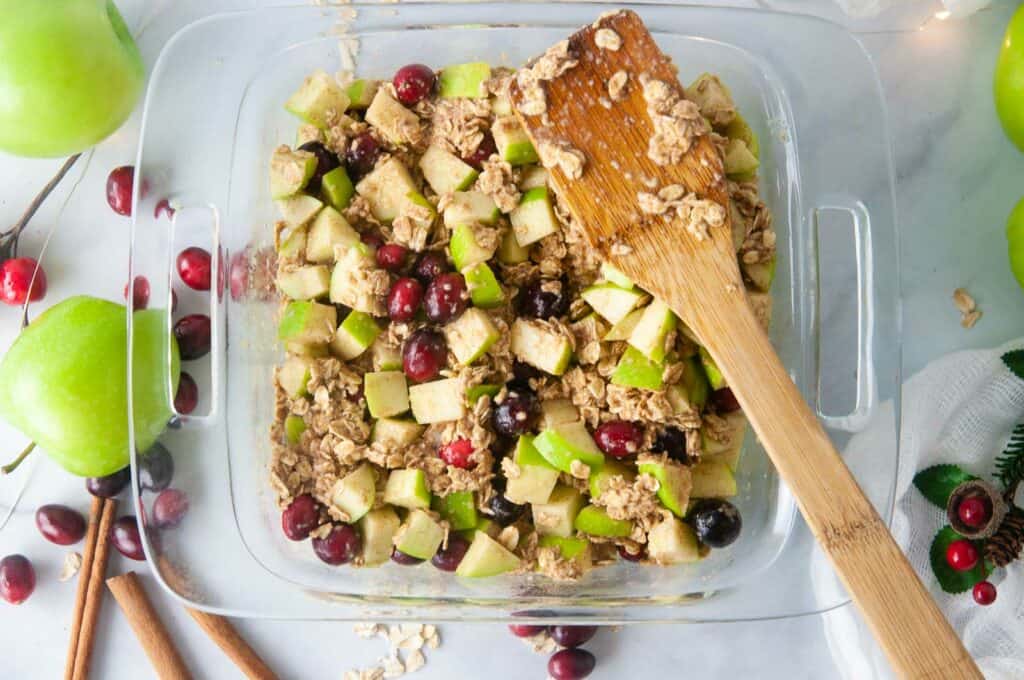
column 1006, row 544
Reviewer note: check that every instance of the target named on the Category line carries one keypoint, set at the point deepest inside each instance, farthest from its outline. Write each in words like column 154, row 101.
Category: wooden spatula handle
column 903, row 616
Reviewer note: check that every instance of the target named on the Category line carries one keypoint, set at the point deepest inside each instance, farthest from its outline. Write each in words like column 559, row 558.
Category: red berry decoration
column 483, row 151
column 125, row 535
column 194, row 267
column 193, row 335
column 414, row 83
column 572, row 636
column 962, row 555
column 457, row 453
column 984, row 593
column 16, row 278
column 446, row 297
column 974, row 511
column 404, row 299
column 169, row 508
column 60, row 524
column 163, row 207
column 619, row 438
column 725, row 401
column 300, row 518
column 392, row 256
column 119, row 189
column 187, row 396
column 571, row 664
column 17, row 578
column 525, row 631
column 424, row 354
column 140, row 292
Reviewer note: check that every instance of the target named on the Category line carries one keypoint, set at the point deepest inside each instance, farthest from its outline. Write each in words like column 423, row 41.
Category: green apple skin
column 1015, row 241
column 1008, row 86
column 70, row 74
column 64, row 383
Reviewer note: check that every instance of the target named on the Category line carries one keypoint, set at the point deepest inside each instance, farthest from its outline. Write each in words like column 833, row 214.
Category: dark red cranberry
column 483, row 152
column 169, row 508
column 372, row 238
column 431, row 265
column 546, row 299
column 517, row 414
column 619, row 438
column 504, row 511
column 392, row 256
column 631, row 556
column 525, row 631
column 414, row 83
column 572, row 636
column 399, row 557
column 446, row 298
column 187, row 397
column 16, row 276
column 163, row 207
column 984, row 593
column 362, row 155
column 238, row 275
column 119, row 189
column 974, row 511
column 194, row 267
column 140, row 292
column 716, row 522
column 340, row 546
column 457, row 454
column 672, row 441
column 571, row 664
column 125, row 536
column 300, row 517
column 449, row 557
column 156, row 468
column 725, row 401
column 524, row 373
column 174, row 302
column 60, row 524
column 326, row 161
column 424, row 354
column 110, row 485
column 193, row 335
column 17, row 578
column 962, row 555
column 404, row 299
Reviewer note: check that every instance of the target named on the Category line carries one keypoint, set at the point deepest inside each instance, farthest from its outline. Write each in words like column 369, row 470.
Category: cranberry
column 60, row 524
column 119, row 189
column 431, row 265
column 17, row 578
column 392, row 257
column 187, row 397
column 571, row 664
column 974, row 511
column 572, row 636
column 672, row 441
column 984, row 593
column 456, row 453
column 399, row 557
column 372, row 238
column 414, row 83
column 362, row 155
column 445, row 298
column 504, row 511
column 449, row 557
column 483, row 151
column 525, row 630
column 169, row 508
column 16, row 277
column 524, row 373
column 300, row 517
column 125, row 535
column 544, row 299
column 140, row 292
column 326, row 161
column 156, row 468
column 962, row 555
column 193, row 335
column 424, row 354
column 725, row 401
column 619, row 438
column 517, row 414
column 163, row 206
column 341, row 545
column 404, row 299
column 631, row 556
column 238, row 275
column 110, row 485
column 194, row 267
column 717, row 523
column 174, row 302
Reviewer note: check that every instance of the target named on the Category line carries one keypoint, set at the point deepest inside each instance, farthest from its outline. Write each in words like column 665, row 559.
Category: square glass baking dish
column 214, row 113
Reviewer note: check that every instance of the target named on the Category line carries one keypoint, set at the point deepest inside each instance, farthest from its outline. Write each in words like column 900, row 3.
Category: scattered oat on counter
column 410, row 638
column 72, row 564
column 607, row 39
column 969, row 312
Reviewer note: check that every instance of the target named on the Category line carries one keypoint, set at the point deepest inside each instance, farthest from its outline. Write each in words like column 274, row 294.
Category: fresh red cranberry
column 457, row 454
column 17, row 578
column 524, row 373
column 672, row 441
column 238, row 275
column 326, row 161
column 571, row 664
column 125, row 535
column 392, row 256
column 716, row 521
column 163, row 207
column 424, row 354
column 16, row 277
column 187, row 397
column 119, row 189
column 431, row 265
column 399, row 557
column 631, row 556
column 962, row 555
column 404, row 299
column 193, row 335
column 340, row 546
column 974, row 511
column 984, row 593
column 110, row 485
column 446, row 298
column 572, row 636
column 725, row 401
column 545, row 299
column 194, row 267
column 525, row 631
column 619, row 438
column 362, row 155
column 169, row 508
column 517, row 414
column 300, row 517
column 156, row 468
column 60, row 524
column 449, row 557
column 373, row 239
column 414, row 83
column 140, row 292
column 483, row 152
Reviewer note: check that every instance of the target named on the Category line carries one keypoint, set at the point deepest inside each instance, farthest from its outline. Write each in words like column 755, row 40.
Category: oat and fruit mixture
column 465, row 382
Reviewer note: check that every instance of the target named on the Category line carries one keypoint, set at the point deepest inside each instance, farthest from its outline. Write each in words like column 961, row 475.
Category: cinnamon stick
column 95, row 511
column 148, row 628
column 233, row 645
column 94, row 592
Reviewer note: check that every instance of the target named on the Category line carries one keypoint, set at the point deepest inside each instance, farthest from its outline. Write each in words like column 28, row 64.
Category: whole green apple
column 1009, row 80
column 1015, row 241
column 70, row 74
column 64, row 383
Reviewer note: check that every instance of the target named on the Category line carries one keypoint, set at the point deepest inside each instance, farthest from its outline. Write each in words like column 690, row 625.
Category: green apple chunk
column 355, row 493
column 470, row 207
column 636, row 370
column 309, row 351
column 378, row 528
column 509, row 250
column 293, row 376
column 613, row 275
column 715, row 377
column 477, row 392
column 458, row 509
column 672, row 542
column 465, row 248
column 739, row 163
column 390, row 118
column 533, row 177
column 540, row 346
column 445, row 172
column 650, row 332
column 564, row 443
column 407, row 488
column 353, row 265
column 740, row 129
column 599, row 479
column 537, row 477
column 293, row 247
column 386, row 393
column 355, row 334
column 386, row 357
column 327, row 232
column 471, row 335
column 512, row 141
column 726, row 444
column 319, row 100
column 674, row 482
column 290, row 171
column 484, row 526
column 556, row 517
column 304, row 283
column 299, row 209
column 386, row 189
column 713, row 99
column 623, row 329
column 557, row 411
column 691, row 392
column 761, row 305
column 571, row 548
column 439, row 401
column 595, row 521
column 308, row 323
column 484, row 290
column 611, row 302
column 395, row 432
column 713, row 479
column 760, row 274
column 306, row 133
column 420, row 536
column 337, row 187
column 464, row 80
column 360, row 92
column 294, row 426
column 486, row 557
column 533, row 218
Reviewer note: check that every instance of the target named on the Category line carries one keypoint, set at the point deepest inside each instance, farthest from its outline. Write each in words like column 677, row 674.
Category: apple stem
column 12, row 234
column 13, row 465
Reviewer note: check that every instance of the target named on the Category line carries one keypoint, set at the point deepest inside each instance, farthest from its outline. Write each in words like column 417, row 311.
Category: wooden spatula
column 699, row 280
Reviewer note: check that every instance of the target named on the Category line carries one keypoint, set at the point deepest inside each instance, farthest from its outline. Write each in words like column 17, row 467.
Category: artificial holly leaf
column 938, row 482
column 1014, row 361
column 951, row 580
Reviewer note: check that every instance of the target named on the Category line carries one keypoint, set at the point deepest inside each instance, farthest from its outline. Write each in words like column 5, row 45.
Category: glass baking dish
column 214, row 113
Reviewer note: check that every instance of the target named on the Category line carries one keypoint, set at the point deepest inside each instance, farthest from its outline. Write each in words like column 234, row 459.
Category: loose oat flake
column 969, row 312
column 72, row 564
column 407, row 638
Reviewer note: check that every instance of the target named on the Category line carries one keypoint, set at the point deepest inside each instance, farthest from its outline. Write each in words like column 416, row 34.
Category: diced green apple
column 386, row 189
column 445, row 172
column 386, row 357
column 299, row 209
column 294, row 426
column 501, row 106
column 471, row 335
column 672, row 542
column 540, row 346
column 306, row 133
column 599, row 479
column 650, row 332
column 355, row 334
column 465, row 249
column 537, row 477
column 351, row 266
column 738, row 161
column 293, row 376
column 309, row 351
column 509, row 250
column 486, row 557
column 477, row 392
column 571, row 548
column 439, row 401
column 713, row 479
column 533, row 218
column 568, row 442
column 740, row 129
column 728, row 444
column 594, row 521
column 407, row 488
column 386, row 393
column 290, row 171
column 557, row 411
column 636, row 370
column 623, row 329
column 484, row 290
column 715, row 377
column 469, row 208
column 512, row 141
column 420, row 536
column 464, row 80
column 613, row 275
column 308, row 323
column 355, row 493
column 328, row 231
column 390, row 118
column 760, row 274
column 533, row 177
column 318, row 100
column 458, row 508
column 395, row 432
column 611, row 302
column 293, row 247
column 674, row 483
column 337, row 187
column 378, row 528
column 360, row 92
column 713, row 99
column 304, row 283
column 556, row 517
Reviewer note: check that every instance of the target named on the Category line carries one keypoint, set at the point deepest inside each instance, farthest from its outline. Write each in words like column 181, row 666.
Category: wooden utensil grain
column 700, row 281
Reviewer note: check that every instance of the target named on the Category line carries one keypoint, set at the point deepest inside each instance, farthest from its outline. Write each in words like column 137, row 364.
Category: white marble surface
column 957, row 180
